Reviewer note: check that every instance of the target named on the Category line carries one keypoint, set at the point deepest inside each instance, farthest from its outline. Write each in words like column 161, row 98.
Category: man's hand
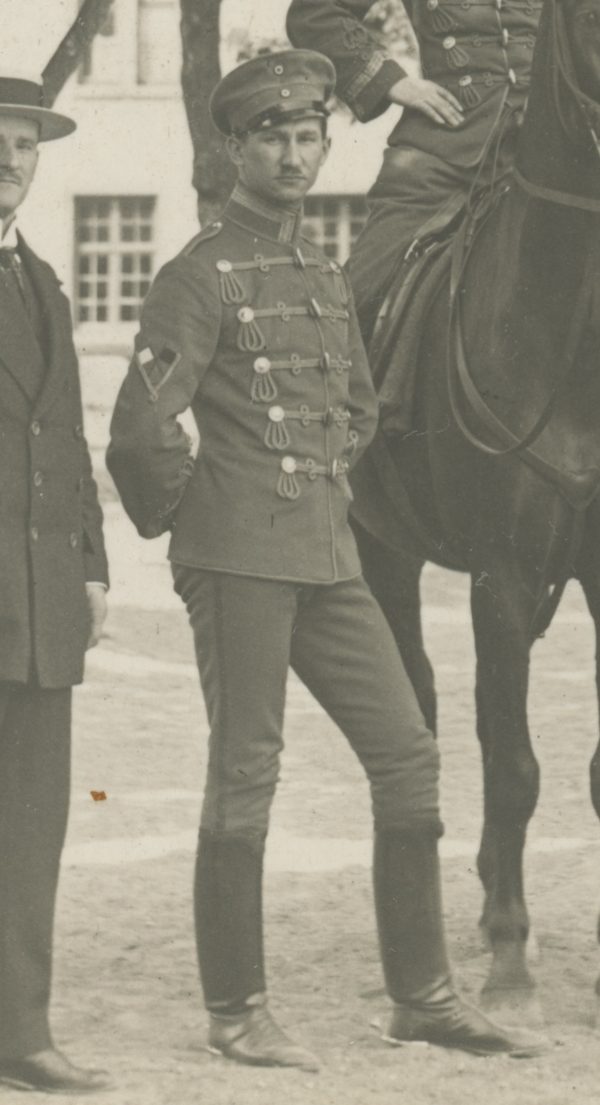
column 96, row 596
column 428, row 97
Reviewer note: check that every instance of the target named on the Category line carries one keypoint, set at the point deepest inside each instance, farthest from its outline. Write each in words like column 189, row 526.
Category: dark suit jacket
column 50, row 520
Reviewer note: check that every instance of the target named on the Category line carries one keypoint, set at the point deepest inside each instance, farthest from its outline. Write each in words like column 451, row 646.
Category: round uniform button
column 334, row 469
column 512, row 76
column 73, row 540
column 285, row 92
column 224, row 266
column 432, row 5
column 279, row 70
column 36, row 429
column 449, row 42
column 78, row 431
column 276, row 414
column 261, row 365
column 465, row 81
column 288, row 465
column 245, row 314
column 35, row 533
column 37, row 479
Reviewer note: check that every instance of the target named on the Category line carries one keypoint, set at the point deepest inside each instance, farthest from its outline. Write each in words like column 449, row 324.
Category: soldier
column 476, row 60
column 53, row 577
column 255, row 329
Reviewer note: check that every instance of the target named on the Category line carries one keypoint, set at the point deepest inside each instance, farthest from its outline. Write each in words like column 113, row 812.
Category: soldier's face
column 18, row 160
column 281, row 163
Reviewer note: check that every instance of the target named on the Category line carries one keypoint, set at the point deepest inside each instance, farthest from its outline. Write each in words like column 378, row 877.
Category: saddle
column 395, row 343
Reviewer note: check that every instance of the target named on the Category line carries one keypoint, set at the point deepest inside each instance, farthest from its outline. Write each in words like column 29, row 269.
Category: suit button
column 38, row 479
column 35, row 428
column 34, row 533
column 73, row 540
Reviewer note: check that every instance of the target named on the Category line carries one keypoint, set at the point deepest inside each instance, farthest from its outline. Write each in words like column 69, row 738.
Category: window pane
column 102, row 224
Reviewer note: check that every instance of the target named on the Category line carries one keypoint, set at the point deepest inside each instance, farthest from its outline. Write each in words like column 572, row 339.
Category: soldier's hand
column 428, row 97
column 96, row 596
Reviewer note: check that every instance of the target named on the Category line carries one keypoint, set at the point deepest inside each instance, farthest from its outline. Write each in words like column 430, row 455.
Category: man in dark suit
column 53, row 578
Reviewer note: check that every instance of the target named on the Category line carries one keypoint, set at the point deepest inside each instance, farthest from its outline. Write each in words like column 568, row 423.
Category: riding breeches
column 416, row 196
column 247, row 633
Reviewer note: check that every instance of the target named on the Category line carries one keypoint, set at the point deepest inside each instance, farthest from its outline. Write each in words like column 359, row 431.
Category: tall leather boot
column 229, row 937
column 417, row 974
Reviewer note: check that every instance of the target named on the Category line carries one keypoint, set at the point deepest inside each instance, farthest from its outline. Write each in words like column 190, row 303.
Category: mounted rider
column 476, row 61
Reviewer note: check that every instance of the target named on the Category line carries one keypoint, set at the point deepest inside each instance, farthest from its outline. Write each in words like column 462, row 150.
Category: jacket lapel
column 57, row 323
column 19, row 350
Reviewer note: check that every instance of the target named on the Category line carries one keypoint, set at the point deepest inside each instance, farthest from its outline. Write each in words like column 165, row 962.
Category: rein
column 460, row 380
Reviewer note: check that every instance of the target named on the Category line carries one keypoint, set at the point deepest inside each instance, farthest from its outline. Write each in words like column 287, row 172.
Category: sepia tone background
column 108, row 208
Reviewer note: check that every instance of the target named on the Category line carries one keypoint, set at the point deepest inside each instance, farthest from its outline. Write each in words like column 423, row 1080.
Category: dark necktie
column 11, row 264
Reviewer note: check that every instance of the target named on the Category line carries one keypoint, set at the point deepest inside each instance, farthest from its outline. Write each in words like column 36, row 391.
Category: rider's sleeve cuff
column 367, row 92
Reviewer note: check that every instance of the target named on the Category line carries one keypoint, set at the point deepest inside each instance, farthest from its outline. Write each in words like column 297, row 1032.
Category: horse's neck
column 535, row 257
column 557, row 151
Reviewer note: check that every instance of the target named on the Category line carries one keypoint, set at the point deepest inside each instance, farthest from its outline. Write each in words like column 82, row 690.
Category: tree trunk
column 213, row 174
column 69, row 54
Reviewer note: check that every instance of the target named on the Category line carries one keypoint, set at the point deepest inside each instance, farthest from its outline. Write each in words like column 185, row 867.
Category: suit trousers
column 35, row 729
column 247, row 633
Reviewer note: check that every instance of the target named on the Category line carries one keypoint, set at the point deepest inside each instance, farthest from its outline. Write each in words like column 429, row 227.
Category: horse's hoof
column 513, row 1007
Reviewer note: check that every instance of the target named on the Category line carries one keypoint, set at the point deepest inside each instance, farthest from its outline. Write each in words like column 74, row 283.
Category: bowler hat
column 271, row 88
column 24, row 98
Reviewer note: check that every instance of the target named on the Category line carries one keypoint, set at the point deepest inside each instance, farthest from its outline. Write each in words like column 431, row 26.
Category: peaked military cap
column 272, row 88
column 23, row 98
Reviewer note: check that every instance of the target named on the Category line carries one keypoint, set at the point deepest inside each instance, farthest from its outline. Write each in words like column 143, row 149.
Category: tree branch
column 69, row 54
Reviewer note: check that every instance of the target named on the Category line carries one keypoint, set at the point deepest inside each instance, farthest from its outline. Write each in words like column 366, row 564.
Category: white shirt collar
column 9, row 239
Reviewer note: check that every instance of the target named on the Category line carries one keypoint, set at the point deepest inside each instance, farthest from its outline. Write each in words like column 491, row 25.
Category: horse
column 500, row 473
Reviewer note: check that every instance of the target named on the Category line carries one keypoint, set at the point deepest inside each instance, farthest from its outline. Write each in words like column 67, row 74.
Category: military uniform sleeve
column 336, row 28
column 149, row 454
column 362, row 403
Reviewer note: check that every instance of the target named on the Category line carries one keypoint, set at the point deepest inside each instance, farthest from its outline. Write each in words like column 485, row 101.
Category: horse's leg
column 394, row 582
column 502, row 608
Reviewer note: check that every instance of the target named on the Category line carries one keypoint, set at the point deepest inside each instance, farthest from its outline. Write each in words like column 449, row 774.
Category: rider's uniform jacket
column 481, row 50
column 255, row 329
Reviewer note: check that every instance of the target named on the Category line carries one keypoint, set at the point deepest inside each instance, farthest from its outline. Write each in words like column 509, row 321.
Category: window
column 334, row 222
column 114, row 256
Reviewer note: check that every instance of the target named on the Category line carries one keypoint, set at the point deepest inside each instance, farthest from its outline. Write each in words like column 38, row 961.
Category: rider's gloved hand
column 428, row 97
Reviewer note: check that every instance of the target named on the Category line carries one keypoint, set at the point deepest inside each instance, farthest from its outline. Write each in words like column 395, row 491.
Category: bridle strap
column 460, row 380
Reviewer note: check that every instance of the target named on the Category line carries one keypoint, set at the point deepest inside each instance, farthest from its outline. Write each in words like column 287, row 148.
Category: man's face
column 281, row 163
column 18, row 159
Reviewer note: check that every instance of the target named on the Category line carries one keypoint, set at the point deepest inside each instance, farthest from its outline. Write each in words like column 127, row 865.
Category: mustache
column 10, row 178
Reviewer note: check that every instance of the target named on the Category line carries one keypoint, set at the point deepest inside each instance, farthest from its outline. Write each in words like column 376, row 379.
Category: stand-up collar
column 245, row 208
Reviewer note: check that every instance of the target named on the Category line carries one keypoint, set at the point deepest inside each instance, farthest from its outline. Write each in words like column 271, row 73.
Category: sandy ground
column 126, row 994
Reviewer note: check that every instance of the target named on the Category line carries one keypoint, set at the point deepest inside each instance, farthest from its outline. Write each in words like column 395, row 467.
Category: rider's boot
column 229, row 934
column 415, row 964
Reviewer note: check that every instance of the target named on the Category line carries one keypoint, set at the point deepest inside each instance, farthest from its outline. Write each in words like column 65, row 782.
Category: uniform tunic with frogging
column 251, row 327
